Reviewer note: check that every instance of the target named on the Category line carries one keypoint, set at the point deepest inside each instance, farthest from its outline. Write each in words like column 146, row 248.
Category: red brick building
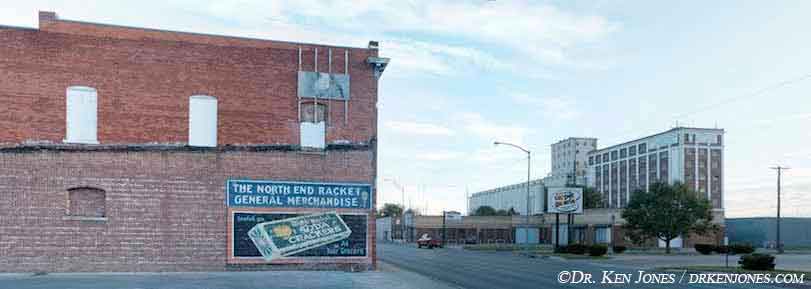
column 117, row 144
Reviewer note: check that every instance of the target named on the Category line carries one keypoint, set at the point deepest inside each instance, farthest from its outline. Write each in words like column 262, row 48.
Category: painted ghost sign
column 273, row 221
column 274, row 236
column 275, row 194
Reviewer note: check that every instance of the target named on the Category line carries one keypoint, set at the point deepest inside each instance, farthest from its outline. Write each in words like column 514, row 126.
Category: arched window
column 87, row 202
column 202, row 121
column 313, row 127
column 81, row 115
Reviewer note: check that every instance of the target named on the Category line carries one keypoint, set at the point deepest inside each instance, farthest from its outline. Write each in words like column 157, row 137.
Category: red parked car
column 428, row 242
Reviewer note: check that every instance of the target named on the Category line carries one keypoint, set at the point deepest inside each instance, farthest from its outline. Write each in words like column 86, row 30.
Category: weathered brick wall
column 144, row 79
column 165, row 210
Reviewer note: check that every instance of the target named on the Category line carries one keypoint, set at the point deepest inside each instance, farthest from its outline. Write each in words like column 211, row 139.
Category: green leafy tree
column 666, row 212
column 485, row 211
column 512, row 212
column 390, row 210
column 591, row 198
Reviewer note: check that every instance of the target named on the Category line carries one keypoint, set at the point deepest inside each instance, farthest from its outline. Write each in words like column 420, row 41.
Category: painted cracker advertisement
column 274, row 236
column 272, row 221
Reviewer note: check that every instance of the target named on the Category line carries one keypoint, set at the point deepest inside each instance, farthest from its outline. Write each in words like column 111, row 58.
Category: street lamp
column 526, row 227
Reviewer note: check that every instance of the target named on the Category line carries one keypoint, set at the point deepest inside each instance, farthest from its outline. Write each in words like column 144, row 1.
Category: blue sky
column 467, row 73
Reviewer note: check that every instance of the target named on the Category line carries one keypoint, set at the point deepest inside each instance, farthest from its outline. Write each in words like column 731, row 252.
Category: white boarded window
column 81, row 115
column 313, row 125
column 202, row 121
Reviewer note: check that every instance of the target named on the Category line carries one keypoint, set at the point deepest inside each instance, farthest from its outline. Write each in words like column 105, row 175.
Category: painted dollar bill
column 289, row 236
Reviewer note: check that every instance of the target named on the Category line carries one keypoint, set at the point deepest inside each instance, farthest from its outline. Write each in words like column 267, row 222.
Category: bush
column 757, row 262
column 723, row 249
column 705, row 249
column 561, row 249
column 598, row 250
column 741, row 249
column 578, row 249
column 620, row 249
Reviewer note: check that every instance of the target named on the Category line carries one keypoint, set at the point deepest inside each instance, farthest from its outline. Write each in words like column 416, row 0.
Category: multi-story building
column 693, row 156
column 511, row 197
column 569, row 165
column 130, row 149
column 689, row 155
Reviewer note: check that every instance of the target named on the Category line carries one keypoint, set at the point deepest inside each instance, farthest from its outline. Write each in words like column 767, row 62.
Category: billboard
column 280, row 194
column 565, row 201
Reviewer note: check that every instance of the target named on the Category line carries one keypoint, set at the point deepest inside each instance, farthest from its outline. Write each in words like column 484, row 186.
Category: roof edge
column 46, row 17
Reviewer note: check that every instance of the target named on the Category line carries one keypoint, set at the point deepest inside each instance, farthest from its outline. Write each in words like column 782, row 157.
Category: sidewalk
column 387, row 276
column 786, row 261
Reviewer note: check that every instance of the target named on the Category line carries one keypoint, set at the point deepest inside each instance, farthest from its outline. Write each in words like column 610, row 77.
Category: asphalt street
column 487, row 270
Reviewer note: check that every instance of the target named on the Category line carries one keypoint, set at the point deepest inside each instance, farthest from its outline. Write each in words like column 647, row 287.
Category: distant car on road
column 428, row 242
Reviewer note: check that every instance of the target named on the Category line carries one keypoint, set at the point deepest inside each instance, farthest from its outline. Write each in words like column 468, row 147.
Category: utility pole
column 402, row 204
column 444, row 228
column 467, row 201
column 570, row 217
column 779, row 174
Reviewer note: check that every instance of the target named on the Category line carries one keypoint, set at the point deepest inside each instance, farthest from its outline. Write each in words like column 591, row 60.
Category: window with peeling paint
column 314, row 117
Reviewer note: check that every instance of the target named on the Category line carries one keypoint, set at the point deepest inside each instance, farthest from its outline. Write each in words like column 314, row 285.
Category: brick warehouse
column 118, row 142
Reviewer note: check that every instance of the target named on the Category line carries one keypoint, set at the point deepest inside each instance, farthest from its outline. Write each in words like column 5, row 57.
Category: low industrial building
column 512, row 196
column 472, row 229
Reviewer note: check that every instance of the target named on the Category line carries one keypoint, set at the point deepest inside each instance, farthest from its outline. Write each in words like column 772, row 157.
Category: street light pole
column 526, row 225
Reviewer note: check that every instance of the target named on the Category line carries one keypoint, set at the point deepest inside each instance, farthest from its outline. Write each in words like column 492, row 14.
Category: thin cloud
column 560, row 108
column 439, row 156
column 417, row 128
column 476, row 124
column 525, row 34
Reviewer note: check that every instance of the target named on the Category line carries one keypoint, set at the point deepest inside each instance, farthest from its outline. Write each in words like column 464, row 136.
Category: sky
column 464, row 74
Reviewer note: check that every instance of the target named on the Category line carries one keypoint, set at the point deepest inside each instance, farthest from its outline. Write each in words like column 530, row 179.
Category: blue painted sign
column 274, row 194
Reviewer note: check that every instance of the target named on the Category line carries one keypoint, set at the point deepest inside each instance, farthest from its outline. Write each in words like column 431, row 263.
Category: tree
column 390, row 210
column 666, row 212
column 485, row 211
column 512, row 212
column 591, row 198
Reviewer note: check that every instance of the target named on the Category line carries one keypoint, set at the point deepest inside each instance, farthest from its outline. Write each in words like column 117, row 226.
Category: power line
column 747, row 95
column 624, row 134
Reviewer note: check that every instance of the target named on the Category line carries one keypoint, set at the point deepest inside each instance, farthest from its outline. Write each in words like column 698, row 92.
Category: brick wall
column 165, row 210
column 144, row 79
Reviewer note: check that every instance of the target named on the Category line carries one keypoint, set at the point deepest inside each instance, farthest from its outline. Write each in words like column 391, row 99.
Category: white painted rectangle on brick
column 202, row 121
column 313, row 135
column 81, row 115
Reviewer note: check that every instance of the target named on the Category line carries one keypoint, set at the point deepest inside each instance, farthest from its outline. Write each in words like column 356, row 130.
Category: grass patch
column 787, row 250
column 730, row 269
column 658, row 251
column 507, row 247
column 573, row 256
